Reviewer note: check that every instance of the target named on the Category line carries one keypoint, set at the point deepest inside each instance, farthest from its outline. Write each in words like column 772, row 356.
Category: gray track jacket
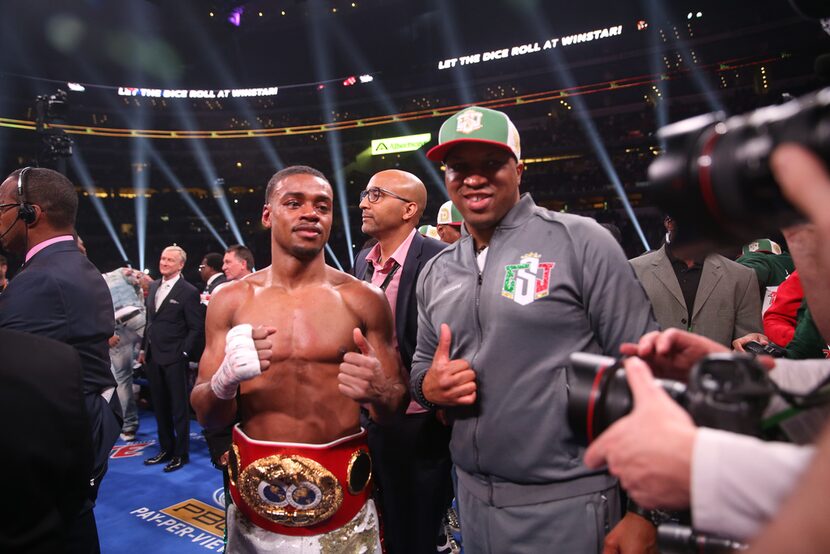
column 553, row 284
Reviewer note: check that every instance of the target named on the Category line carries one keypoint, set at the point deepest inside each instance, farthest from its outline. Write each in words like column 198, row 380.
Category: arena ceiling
column 179, row 44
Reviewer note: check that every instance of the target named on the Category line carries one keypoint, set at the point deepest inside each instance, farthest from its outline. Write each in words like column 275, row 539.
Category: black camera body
column 768, row 349
column 724, row 391
column 714, row 177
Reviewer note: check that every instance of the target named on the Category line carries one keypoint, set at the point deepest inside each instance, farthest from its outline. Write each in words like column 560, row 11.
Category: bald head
column 403, row 184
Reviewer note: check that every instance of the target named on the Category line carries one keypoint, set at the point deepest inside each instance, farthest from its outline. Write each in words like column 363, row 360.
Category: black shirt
column 688, row 278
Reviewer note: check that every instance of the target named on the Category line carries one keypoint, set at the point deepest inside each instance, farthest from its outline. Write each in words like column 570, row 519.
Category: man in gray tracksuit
column 521, row 290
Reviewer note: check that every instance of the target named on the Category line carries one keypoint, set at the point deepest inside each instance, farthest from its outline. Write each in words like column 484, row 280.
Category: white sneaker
column 127, row 437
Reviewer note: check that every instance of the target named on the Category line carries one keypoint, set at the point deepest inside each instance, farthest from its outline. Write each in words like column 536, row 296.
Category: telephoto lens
column 598, row 394
column 725, row 391
column 714, row 177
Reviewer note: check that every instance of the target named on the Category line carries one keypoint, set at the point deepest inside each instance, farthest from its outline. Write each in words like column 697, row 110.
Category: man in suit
column 708, row 295
column 175, row 327
column 210, row 270
column 412, row 461
column 238, row 262
column 59, row 294
column 52, row 440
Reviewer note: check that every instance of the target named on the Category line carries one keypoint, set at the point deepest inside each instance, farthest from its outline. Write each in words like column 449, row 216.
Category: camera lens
column 714, row 177
column 598, row 395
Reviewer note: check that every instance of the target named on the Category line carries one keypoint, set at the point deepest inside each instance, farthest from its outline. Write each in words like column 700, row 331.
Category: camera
column 52, row 106
column 714, row 177
column 770, row 349
column 724, row 391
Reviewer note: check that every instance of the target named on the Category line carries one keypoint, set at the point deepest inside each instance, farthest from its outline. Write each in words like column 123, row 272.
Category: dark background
column 736, row 56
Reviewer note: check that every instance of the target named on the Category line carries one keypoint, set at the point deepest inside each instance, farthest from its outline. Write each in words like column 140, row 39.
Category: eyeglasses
column 4, row 207
column 376, row 193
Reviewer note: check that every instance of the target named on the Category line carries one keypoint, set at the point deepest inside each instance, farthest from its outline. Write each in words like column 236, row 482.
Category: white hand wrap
column 241, row 362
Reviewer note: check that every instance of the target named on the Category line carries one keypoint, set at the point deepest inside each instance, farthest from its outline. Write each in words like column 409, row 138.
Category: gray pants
column 575, row 525
column 123, row 356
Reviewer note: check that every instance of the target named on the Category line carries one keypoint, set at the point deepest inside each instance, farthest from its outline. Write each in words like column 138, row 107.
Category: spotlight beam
column 334, row 257
column 86, row 182
column 322, row 71
column 449, row 30
column 559, row 64
column 139, row 176
column 661, row 109
column 208, row 171
column 177, row 184
column 240, row 104
column 382, row 96
column 657, row 13
column 146, row 147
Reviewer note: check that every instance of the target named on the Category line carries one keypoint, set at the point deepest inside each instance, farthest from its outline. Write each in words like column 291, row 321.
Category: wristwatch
column 656, row 517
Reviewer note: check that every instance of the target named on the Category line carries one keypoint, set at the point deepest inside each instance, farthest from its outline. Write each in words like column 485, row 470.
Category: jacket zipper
column 479, row 337
column 472, row 362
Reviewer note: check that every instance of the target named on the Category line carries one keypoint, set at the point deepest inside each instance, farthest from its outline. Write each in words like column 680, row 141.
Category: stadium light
column 657, row 13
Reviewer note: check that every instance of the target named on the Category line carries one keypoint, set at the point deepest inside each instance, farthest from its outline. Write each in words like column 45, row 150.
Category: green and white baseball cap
column 762, row 245
column 477, row 124
column 449, row 214
column 429, row 231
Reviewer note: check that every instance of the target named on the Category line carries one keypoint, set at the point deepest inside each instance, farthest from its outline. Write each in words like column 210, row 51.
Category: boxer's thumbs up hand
column 363, row 344
column 361, row 376
column 449, row 382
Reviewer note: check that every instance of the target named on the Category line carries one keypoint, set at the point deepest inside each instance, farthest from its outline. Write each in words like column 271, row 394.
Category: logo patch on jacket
column 527, row 280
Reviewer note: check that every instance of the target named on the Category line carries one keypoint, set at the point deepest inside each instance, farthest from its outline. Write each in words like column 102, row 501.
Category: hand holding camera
column 651, row 449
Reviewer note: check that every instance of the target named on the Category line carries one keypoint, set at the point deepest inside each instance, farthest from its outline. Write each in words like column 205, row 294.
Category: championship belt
column 299, row 489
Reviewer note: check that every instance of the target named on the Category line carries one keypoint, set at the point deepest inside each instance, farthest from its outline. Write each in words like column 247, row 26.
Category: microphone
column 7, row 231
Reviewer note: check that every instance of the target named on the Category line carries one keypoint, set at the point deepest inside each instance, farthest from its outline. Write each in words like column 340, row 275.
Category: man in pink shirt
column 411, row 458
column 59, row 294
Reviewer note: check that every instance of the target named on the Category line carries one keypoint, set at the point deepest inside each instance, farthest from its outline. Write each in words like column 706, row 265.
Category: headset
column 25, row 211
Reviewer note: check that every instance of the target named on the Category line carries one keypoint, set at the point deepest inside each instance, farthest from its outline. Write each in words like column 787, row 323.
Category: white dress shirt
column 164, row 289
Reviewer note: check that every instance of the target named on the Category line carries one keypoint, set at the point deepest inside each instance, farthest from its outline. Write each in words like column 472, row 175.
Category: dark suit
column 216, row 282
column 59, row 294
column 48, row 448
column 174, row 331
column 411, row 457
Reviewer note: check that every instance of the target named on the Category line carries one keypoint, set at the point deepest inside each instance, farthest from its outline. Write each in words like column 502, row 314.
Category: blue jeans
column 123, row 355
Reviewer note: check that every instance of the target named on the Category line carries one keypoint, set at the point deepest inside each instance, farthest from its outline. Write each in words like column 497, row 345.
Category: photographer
column 662, row 459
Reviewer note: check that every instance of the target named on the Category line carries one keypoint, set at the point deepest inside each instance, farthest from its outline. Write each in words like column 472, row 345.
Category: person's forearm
column 801, row 526
column 213, row 413
column 738, row 482
column 391, row 404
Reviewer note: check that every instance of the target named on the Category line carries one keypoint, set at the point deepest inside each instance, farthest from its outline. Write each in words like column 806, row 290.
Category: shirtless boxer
column 298, row 348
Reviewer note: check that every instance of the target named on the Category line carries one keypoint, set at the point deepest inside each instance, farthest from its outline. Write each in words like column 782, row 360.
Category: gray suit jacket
column 727, row 302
